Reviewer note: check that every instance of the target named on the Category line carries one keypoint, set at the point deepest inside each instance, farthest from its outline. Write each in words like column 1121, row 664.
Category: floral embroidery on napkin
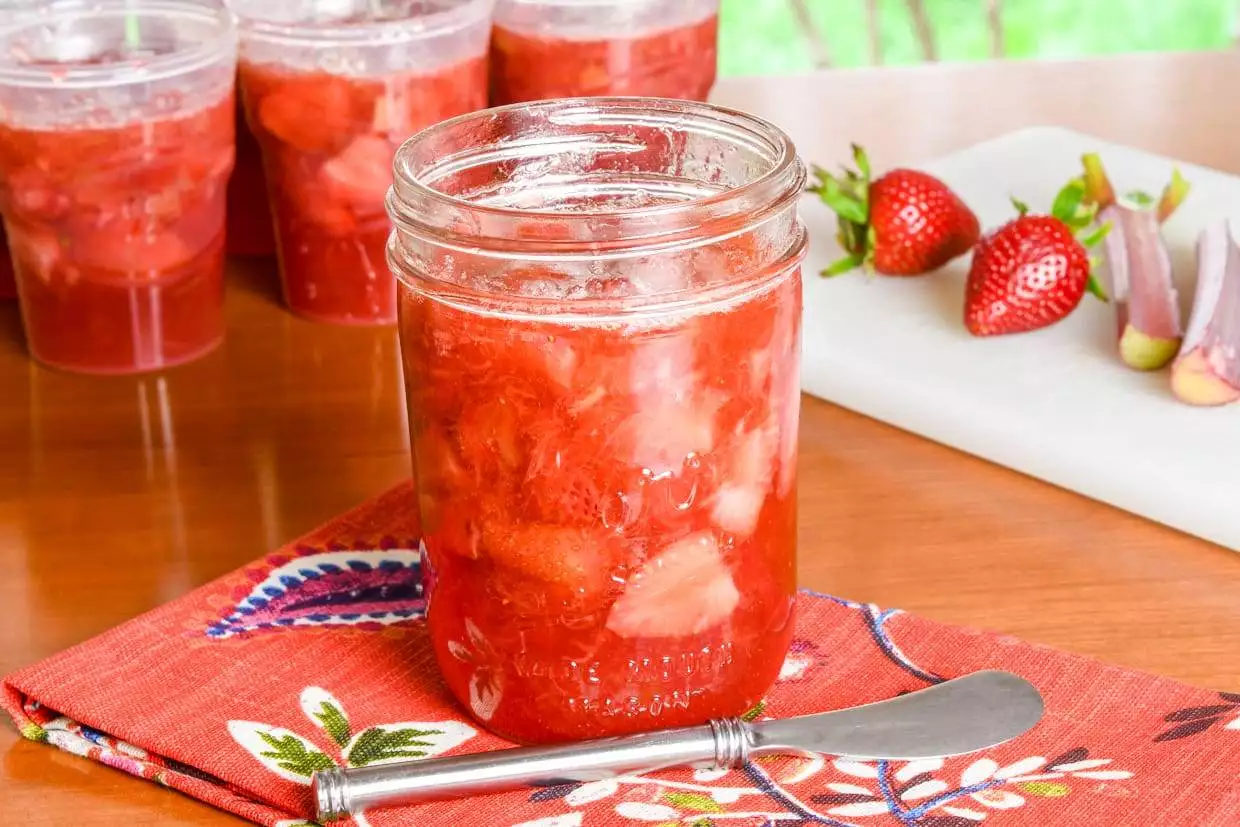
column 296, row 758
column 1194, row 720
column 337, row 586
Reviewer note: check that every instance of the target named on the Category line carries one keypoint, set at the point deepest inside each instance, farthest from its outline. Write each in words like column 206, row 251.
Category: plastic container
column 116, row 142
column 330, row 97
column 10, row 12
column 599, row 320
column 542, row 49
column 250, row 232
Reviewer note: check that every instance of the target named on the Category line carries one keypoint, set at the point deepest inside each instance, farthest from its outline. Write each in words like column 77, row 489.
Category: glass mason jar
column 543, row 49
column 599, row 314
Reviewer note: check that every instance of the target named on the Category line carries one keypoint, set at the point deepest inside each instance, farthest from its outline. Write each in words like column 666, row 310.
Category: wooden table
column 117, row 495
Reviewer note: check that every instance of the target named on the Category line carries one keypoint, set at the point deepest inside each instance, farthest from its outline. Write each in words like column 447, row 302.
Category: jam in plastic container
column 599, row 321
column 116, row 142
column 249, row 217
column 542, row 49
column 8, row 287
column 330, row 97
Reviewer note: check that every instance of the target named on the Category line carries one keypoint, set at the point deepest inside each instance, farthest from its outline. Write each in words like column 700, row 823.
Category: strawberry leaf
column 1021, row 207
column 1096, row 289
column 1140, row 198
column 1096, row 236
column 844, row 265
column 862, row 161
column 845, row 204
column 1068, row 202
column 1073, row 207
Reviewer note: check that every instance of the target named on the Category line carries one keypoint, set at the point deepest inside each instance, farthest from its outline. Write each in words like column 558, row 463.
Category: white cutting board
column 1056, row 404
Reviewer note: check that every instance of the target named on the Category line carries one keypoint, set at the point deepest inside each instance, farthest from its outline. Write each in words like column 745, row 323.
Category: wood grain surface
column 119, row 494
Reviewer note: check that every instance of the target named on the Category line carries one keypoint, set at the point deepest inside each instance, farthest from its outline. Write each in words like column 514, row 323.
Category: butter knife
column 952, row 718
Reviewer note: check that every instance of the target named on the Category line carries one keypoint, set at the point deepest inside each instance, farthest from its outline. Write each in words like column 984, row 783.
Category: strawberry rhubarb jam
column 543, row 49
column 115, row 148
column 599, row 322
column 329, row 98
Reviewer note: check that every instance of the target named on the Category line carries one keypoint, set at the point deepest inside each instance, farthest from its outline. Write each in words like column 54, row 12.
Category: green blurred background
column 763, row 36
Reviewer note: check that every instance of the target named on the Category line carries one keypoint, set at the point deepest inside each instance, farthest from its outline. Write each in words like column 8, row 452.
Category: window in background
column 768, row 37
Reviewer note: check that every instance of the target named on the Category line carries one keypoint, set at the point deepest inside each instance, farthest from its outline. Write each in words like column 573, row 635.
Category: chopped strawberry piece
column 361, row 172
column 37, row 249
column 111, row 248
column 738, row 503
column 573, row 559
column 313, row 113
column 685, row 590
column 737, row 508
column 489, row 437
column 662, row 436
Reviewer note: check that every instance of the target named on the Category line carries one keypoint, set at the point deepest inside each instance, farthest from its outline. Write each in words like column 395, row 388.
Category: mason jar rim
column 452, row 18
column 774, row 189
column 221, row 45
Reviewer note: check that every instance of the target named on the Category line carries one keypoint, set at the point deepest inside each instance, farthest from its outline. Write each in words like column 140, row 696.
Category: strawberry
column 906, row 223
column 684, row 590
column 1034, row 270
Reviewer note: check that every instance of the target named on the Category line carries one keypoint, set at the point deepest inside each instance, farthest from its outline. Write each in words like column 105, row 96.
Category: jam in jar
column 600, row 309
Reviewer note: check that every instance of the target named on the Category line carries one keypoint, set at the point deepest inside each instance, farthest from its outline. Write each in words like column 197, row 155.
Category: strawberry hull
column 327, row 144
column 593, row 575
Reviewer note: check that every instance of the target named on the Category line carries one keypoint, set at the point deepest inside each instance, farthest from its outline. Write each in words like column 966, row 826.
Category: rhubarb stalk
column 1148, row 310
column 1207, row 371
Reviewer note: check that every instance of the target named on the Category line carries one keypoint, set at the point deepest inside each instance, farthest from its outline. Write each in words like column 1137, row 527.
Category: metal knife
column 952, row 718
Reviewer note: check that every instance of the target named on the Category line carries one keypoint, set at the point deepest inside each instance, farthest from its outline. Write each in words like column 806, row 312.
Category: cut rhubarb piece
column 1207, row 371
column 685, row 590
column 1148, row 309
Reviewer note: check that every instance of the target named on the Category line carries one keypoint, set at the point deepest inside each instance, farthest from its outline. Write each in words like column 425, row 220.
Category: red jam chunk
column 673, row 63
column 327, row 145
column 117, row 236
column 609, row 512
column 8, row 287
column 249, row 216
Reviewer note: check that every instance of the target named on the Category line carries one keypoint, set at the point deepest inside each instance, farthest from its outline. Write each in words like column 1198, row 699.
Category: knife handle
column 341, row 792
